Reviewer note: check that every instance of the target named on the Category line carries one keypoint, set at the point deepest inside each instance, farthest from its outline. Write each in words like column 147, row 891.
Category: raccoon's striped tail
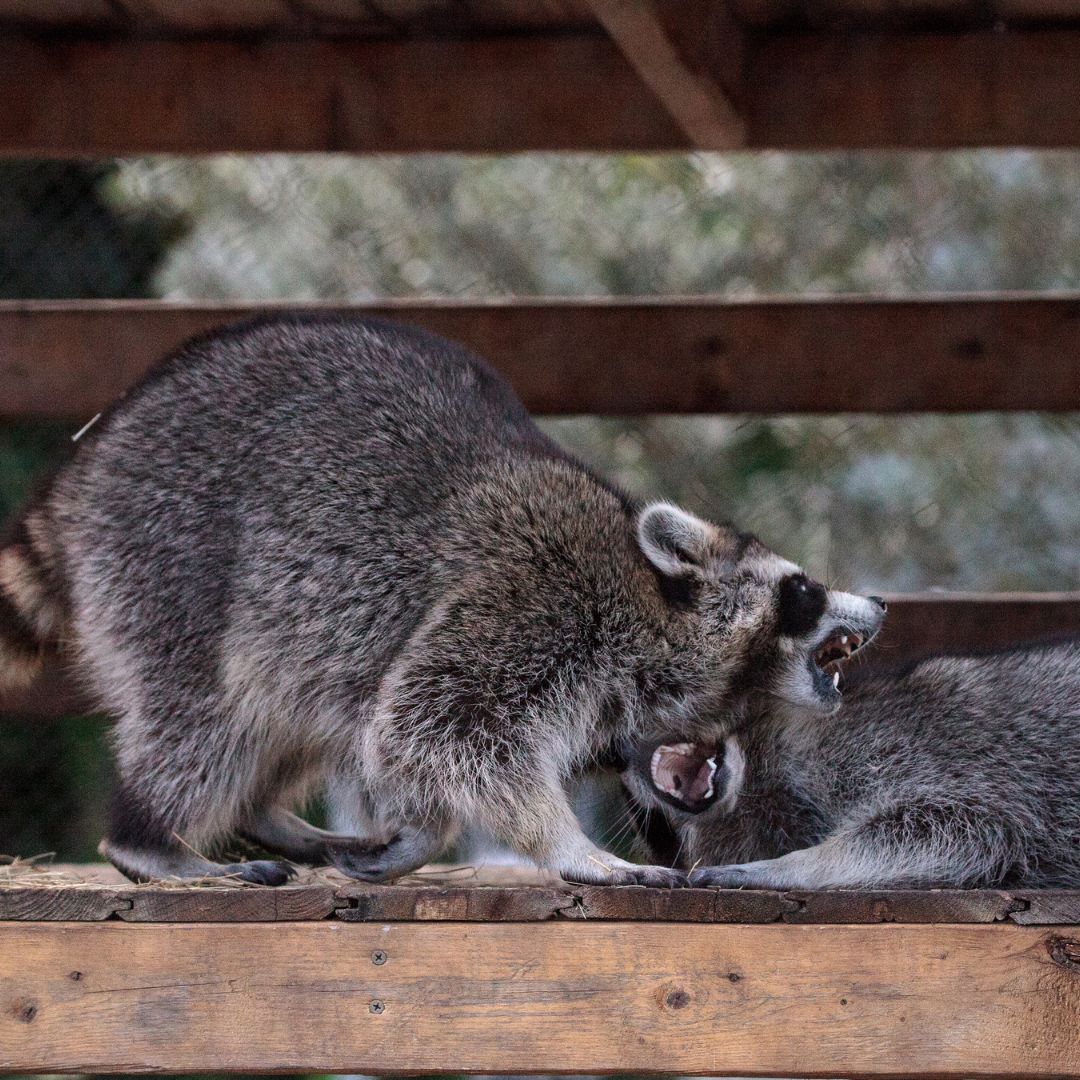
column 33, row 602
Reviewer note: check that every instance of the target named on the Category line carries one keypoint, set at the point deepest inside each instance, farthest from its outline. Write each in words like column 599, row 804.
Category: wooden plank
column 864, row 91
column 655, row 37
column 505, row 894
column 94, row 903
column 836, row 1001
column 567, row 91
column 125, row 96
column 68, row 359
column 930, row 623
column 409, row 903
column 917, row 625
column 286, row 904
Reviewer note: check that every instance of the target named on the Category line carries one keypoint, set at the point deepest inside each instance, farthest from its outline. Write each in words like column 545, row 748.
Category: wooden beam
column 508, row 894
column 938, row 91
column 125, row 96
column 917, row 625
column 541, row 91
column 62, row 359
column 661, row 41
column 825, row 1001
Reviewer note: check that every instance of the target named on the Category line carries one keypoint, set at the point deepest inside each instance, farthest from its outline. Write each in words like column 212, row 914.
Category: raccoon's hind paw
column 260, row 872
column 361, row 860
column 365, row 861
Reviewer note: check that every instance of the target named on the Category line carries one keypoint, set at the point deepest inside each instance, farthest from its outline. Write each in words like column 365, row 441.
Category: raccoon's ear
column 675, row 542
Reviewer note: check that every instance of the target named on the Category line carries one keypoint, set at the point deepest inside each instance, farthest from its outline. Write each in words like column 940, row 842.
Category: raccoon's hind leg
column 171, row 800
column 142, row 850
column 282, row 832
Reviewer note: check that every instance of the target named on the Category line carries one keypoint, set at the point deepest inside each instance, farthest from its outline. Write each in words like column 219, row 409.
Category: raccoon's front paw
column 654, row 877
column 727, row 877
column 617, row 872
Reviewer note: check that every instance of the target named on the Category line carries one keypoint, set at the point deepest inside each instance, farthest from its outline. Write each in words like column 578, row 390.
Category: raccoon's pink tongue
column 684, row 771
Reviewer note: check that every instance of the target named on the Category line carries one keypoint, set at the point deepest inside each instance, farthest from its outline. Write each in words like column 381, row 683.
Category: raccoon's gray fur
column 308, row 549
column 958, row 772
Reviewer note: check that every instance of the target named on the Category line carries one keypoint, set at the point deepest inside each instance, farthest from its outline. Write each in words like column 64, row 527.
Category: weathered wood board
column 69, row 359
column 98, row 893
column 821, row 1001
column 572, row 90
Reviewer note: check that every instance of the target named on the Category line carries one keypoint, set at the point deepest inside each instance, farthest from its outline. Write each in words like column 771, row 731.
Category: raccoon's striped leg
column 917, row 844
column 540, row 824
column 142, row 849
column 283, row 833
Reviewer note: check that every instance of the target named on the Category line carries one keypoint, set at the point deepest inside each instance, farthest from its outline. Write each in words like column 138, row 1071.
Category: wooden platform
column 500, row 970
column 97, row 893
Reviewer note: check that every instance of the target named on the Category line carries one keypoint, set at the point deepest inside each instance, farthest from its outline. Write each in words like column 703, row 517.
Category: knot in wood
column 24, row 1010
column 1065, row 952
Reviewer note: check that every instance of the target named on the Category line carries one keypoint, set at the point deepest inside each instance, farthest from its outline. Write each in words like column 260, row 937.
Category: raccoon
column 333, row 550
column 956, row 772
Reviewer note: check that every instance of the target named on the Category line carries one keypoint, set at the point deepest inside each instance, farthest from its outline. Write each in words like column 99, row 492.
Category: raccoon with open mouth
column 313, row 551
column 956, row 772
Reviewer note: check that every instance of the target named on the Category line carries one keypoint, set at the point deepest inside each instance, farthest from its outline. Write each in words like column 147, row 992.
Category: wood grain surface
column 828, row 1001
column 69, row 359
column 96, row 893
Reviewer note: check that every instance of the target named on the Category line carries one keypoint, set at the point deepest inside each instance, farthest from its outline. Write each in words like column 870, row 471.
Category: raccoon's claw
column 260, row 872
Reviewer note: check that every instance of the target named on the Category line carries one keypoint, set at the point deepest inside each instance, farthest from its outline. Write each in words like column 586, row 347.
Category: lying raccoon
column 316, row 548
column 958, row 772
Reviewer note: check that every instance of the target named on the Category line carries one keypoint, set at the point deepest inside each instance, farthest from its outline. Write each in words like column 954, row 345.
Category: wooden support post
column 680, row 48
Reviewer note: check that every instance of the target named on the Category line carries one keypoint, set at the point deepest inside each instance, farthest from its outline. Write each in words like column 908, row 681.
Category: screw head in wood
column 377, row 1007
column 378, row 957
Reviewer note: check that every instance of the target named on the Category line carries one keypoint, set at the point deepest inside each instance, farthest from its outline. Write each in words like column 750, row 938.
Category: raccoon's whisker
column 623, row 825
column 606, row 868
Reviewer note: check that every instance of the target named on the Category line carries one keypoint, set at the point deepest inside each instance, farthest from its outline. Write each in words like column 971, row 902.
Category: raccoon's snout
column 687, row 774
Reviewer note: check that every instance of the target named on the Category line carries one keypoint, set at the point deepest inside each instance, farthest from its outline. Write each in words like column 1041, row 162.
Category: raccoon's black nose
column 880, row 602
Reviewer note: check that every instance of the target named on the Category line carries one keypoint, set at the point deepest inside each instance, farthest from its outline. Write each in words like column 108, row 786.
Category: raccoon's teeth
column 836, row 679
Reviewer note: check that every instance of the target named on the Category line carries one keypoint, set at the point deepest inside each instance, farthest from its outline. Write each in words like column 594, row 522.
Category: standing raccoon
column 959, row 772
column 307, row 550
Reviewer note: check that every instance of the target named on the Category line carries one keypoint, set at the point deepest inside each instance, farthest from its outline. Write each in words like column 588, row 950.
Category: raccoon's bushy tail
column 33, row 601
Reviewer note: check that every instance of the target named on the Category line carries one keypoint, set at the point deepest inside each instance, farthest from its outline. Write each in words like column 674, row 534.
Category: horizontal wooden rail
column 67, row 359
column 917, row 625
column 584, row 997
column 96, row 892
column 563, row 91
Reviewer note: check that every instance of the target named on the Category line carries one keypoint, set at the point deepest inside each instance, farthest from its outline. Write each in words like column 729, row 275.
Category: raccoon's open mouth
column 831, row 653
column 687, row 775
